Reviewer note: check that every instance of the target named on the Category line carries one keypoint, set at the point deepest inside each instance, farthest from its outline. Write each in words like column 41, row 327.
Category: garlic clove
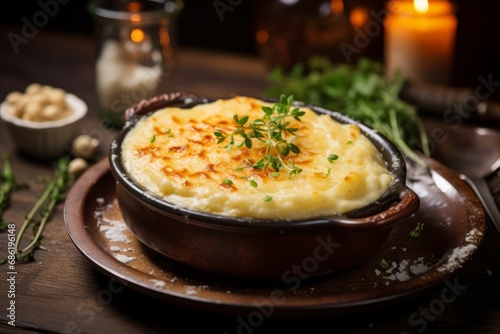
column 85, row 146
column 77, row 166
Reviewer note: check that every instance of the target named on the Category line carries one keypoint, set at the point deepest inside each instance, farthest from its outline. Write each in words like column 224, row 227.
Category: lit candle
column 419, row 40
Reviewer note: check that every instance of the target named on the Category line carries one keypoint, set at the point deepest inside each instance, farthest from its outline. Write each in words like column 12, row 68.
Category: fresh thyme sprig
column 53, row 194
column 274, row 130
column 8, row 184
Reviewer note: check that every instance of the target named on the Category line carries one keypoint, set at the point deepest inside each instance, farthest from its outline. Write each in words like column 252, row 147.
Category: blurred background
column 268, row 28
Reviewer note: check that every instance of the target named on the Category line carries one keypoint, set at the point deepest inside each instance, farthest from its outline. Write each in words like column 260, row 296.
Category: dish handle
column 161, row 101
column 401, row 202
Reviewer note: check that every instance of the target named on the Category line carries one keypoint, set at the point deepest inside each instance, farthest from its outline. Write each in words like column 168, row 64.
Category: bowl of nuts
column 43, row 120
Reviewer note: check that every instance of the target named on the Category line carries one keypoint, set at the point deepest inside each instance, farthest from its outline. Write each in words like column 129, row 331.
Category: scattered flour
column 114, row 248
column 473, row 235
column 457, row 258
column 158, row 283
column 114, row 230
column 403, row 270
column 124, row 258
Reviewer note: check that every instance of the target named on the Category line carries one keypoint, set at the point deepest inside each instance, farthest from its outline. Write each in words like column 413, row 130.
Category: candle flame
column 337, row 6
column 358, row 17
column 137, row 35
column 421, row 6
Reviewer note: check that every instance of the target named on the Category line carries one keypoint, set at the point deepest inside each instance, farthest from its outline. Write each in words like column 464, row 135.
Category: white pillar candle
column 419, row 40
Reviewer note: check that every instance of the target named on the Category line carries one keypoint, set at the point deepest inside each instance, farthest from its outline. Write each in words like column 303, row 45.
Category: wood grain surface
column 61, row 292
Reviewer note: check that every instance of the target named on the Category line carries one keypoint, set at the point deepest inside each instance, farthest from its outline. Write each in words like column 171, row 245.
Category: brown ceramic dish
column 255, row 248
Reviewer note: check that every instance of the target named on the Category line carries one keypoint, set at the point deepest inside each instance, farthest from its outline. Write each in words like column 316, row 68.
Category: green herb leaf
column 332, row 157
column 253, row 184
column 227, row 182
column 415, row 233
column 152, row 139
column 9, row 184
column 243, row 121
column 295, row 149
column 328, row 172
column 268, row 198
column 383, row 264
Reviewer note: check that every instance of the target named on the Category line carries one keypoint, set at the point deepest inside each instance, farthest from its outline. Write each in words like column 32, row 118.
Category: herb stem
column 30, row 215
column 52, row 193
column 8, row 185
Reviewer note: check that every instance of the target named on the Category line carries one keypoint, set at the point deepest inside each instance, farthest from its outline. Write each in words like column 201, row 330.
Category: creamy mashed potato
column 174, row 153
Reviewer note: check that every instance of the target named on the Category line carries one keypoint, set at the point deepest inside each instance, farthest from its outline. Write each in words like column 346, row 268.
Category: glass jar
column 135, row 53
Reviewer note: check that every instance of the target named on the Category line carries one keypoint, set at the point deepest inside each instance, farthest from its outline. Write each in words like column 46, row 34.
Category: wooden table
column 62, row 292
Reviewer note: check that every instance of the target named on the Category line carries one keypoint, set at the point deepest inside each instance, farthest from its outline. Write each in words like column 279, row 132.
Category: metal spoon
column 475, row 154
column 479, row 185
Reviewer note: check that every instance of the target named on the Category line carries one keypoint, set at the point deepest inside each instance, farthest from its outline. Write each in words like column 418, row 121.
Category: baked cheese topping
column 174, row 154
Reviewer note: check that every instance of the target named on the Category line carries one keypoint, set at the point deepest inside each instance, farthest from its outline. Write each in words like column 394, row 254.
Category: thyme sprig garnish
column 8, row 185
column 274, row 130
column 415, row 233
column 44, row 207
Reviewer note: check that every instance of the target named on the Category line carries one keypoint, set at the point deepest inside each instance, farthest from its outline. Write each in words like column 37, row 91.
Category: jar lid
column 134, row 11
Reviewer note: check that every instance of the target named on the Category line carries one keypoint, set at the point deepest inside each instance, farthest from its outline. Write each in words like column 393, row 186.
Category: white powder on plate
column 473, row 235
column 123, row 258
column 457, row 257
column 158, row 283
column 114, row 248
column 114, row 230
column 404, row 270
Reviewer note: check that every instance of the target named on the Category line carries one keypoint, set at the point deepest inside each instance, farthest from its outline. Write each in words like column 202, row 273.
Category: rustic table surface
column 61, row 290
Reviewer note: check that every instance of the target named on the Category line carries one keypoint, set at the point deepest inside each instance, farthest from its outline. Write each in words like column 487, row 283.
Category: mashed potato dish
column 175, row 154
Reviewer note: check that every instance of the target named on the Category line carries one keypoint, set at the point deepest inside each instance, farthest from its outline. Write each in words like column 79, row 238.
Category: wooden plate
column 454, row 225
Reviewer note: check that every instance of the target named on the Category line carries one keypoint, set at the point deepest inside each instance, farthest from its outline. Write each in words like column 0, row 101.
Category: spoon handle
column 482, row 190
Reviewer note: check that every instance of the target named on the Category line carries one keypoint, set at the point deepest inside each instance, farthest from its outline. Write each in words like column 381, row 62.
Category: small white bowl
column 46, row 140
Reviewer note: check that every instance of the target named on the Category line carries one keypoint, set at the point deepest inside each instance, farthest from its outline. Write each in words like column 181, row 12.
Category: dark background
column 199, row 25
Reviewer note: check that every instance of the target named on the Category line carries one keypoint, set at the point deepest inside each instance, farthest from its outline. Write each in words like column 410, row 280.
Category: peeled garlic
column 85, row 146
column 33, row 88
column 77, row 166
column 13, row 97
column 52, row 112
column 38, row 103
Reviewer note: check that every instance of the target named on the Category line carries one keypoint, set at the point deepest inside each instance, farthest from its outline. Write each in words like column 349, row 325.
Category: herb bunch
column 273, row 129
column 361, row 91
column 8, row 184
column 44, row 207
